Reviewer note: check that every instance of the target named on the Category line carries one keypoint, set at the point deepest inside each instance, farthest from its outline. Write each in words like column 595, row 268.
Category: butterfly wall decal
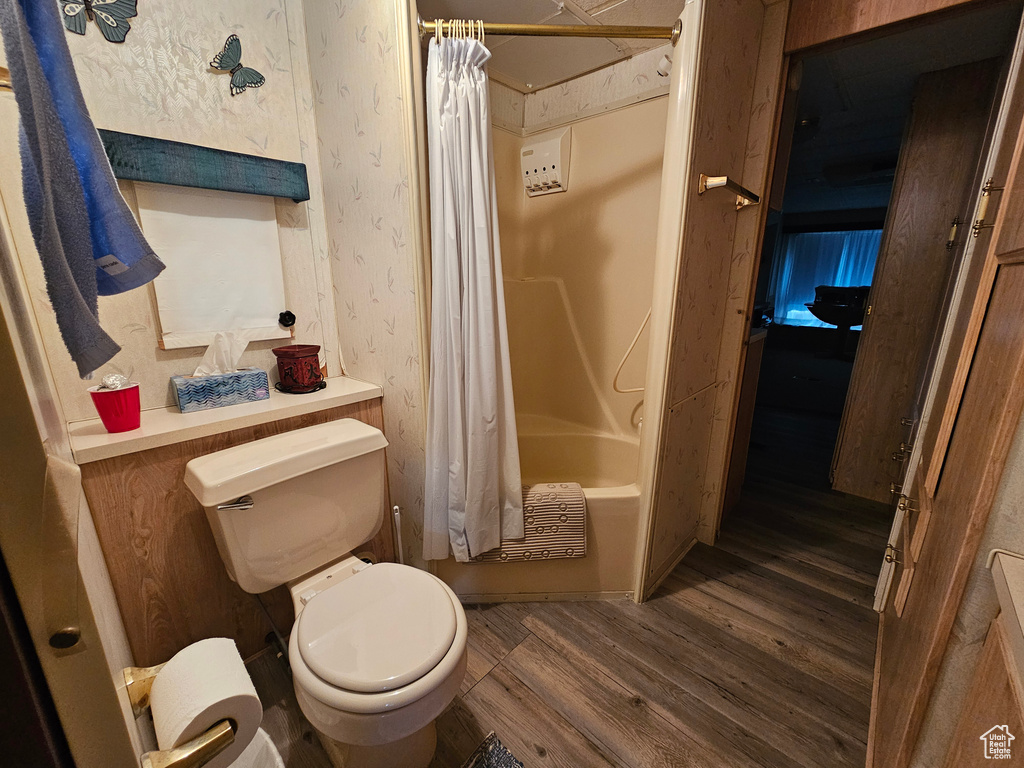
column 230, row 60
column 111, row 16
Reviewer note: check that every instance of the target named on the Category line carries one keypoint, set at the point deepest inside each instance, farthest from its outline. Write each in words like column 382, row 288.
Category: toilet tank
column 317, row 493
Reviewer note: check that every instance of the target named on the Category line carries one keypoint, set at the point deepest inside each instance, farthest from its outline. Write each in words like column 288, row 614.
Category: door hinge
column 986, row 196
column 892, row 555
column 907, row 504
column 953, row 227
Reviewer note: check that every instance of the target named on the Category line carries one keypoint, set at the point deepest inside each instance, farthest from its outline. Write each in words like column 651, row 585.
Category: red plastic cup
column 119, row 409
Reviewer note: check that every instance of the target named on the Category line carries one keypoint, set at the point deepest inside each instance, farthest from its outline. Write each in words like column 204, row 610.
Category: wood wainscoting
column 814, row 22
column 169, row 579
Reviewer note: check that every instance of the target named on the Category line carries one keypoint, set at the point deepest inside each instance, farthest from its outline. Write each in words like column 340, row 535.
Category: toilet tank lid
column 234, row 472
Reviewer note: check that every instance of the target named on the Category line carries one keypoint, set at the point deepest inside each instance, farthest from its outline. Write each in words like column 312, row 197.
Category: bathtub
column 605, row 465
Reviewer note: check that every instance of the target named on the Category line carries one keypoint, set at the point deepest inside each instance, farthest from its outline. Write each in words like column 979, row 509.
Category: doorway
column 839, row 245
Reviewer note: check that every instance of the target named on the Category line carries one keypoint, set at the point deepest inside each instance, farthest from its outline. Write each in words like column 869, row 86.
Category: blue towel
column 63, row 216
column 55, row 202
column 123, row 257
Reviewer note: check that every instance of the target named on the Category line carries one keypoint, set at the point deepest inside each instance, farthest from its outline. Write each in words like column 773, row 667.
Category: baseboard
column 533, row 597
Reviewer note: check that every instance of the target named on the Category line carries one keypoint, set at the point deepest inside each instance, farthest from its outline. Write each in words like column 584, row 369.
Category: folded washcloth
column 123, row 257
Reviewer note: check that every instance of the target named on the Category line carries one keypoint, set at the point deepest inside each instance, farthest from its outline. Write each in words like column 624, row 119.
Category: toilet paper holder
column 192, row 754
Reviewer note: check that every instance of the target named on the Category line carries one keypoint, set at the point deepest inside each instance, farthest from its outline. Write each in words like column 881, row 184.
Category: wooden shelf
column 144, row 158
column 164, row 426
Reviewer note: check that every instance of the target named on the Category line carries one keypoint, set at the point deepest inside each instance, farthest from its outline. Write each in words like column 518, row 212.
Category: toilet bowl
column 377, row 651
column 373, row 685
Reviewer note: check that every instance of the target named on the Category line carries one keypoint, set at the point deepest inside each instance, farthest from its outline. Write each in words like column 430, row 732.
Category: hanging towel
column 124, row 259
column 62, row 216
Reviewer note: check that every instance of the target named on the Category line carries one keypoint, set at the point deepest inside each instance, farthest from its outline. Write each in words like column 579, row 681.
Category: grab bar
column 744, row 196
column 625, row 357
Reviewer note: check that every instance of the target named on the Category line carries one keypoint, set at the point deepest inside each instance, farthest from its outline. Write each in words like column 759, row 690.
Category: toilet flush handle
column 245, row 502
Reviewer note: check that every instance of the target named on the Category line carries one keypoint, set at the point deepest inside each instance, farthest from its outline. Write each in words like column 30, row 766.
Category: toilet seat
column 378, row 630
column 357, row 702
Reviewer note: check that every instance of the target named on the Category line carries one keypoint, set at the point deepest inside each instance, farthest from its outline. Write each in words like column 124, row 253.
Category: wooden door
column 695, row 263
column 953, row 511
column 934, row 180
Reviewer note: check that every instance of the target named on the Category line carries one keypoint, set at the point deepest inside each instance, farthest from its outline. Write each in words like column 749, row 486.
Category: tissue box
column 198, row 393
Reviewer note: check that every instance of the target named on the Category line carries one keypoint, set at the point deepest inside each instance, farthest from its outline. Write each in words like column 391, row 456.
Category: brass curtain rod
column 562, row 30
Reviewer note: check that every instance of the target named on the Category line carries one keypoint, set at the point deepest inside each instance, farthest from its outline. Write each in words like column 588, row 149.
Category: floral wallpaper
column 507, row 106
column 158, row 83
column 360, row 113
column 633, row 79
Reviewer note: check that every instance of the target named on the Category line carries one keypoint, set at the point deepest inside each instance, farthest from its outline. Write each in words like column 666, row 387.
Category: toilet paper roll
column 200, row 686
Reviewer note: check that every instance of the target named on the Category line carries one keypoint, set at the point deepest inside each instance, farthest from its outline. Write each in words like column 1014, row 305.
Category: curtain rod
column 562, row 30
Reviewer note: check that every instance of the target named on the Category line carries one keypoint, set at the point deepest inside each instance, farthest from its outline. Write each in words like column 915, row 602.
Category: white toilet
column 377, row 651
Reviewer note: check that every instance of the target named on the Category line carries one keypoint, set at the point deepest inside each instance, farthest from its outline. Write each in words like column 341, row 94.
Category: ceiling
column 854, row 103
column 530, row 63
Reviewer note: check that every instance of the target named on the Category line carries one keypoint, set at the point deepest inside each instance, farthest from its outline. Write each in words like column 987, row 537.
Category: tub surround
column 165, row 426
column 170, row 582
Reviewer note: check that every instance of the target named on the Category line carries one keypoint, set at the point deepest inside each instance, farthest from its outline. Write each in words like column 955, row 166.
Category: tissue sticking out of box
column 223, row 355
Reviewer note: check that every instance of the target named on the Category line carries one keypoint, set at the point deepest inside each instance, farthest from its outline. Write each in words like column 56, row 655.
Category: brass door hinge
column 986, row 196
column 952, row 233
column 907, row 504
column 892, row 555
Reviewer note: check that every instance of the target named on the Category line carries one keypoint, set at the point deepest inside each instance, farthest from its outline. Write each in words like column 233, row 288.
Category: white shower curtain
column 473, row 484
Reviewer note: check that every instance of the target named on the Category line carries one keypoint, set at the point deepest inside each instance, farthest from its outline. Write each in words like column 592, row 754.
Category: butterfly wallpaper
column 230, row 60
column 111, row 16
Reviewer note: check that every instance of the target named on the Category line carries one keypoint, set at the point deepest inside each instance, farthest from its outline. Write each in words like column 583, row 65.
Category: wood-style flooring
column 757, row 652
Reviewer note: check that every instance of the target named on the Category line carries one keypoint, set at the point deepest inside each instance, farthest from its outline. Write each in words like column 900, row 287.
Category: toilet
column 377, row 651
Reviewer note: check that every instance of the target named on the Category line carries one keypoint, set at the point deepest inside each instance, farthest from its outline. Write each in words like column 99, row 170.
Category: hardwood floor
column 757, row 652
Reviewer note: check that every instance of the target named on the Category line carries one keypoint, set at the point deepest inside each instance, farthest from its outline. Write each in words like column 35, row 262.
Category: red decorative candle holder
column 299, row 368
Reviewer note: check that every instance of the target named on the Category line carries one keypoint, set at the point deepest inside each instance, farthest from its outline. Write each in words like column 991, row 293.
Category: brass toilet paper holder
column 192, row 754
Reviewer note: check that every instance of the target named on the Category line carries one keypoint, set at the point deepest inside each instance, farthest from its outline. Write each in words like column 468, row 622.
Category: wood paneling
column 1007, row 237
column 913, row 645
column 813, row 22
column 991, row 701
column 169, row 579
column 146, row 158
column 934, row 184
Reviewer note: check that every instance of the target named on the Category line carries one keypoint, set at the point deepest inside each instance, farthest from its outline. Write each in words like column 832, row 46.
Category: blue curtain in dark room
column 810, row 259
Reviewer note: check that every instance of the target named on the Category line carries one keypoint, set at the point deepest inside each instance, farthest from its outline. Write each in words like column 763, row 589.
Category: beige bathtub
column 605, row 465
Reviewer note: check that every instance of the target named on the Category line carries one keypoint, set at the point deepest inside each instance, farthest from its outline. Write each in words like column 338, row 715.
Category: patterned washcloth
column 555, row 517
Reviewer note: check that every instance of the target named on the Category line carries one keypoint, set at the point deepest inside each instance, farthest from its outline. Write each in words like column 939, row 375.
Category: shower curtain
column 473, row 495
